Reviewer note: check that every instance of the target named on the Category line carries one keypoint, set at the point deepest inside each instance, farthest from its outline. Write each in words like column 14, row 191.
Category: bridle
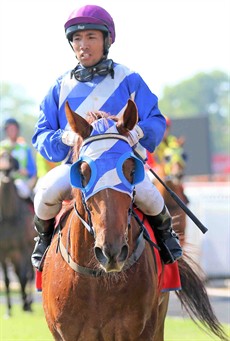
column 140, row 241
column 137, row 252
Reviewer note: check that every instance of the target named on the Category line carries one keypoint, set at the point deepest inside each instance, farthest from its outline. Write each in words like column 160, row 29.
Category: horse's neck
column 9, row 200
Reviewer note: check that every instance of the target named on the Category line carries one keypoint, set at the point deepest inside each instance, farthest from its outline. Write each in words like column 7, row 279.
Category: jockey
column 96, row 83
column 26, row 175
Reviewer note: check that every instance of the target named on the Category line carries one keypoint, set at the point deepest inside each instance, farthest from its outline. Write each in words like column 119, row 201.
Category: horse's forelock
column 91, row 117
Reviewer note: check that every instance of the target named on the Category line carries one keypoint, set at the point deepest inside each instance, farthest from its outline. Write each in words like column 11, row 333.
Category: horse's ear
column 77, row 123
column 129, row 118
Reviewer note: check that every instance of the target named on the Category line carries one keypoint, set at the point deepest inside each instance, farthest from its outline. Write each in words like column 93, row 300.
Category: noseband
column 137, row 252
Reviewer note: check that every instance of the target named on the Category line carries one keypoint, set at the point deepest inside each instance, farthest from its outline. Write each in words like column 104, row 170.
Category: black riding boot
column 166, row 237
column 45, row 230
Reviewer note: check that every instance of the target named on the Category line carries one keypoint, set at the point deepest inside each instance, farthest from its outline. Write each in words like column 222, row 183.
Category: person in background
column 169, row 154
column 25, row 176
column 96, row 84
column 44, row 165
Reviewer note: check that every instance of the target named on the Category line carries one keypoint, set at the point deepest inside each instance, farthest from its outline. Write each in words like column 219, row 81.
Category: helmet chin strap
column 106, row 44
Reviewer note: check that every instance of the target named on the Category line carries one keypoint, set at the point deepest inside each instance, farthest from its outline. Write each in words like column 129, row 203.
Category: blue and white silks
column 101, row 94
column 106, row 155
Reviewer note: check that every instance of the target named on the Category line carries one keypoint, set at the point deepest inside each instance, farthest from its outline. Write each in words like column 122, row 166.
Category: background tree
column 205, row 94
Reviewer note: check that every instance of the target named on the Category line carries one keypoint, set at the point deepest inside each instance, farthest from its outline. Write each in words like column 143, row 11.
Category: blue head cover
column 105, row 156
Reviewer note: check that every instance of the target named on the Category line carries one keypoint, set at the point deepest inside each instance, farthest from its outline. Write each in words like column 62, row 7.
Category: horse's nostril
column 99, row 254
column 124, row 253
column 109, row 255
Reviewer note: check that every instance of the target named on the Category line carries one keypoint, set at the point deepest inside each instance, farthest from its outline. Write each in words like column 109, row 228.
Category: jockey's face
column 88, row 46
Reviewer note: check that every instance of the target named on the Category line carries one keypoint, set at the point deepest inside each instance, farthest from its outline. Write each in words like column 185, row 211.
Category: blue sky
column 166, row 41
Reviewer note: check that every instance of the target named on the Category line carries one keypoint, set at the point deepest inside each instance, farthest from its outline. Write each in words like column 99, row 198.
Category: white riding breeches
column 55, row 187
column 52, row 189
column 148, row 199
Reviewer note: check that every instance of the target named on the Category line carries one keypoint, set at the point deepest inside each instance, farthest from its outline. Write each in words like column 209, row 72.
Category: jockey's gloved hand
column 69, row 138
column 135, row 135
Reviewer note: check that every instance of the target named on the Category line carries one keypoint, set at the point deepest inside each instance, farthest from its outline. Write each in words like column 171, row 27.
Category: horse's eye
column 82, row 180
column 132, row 173
column 129, row 169
column 85, row 173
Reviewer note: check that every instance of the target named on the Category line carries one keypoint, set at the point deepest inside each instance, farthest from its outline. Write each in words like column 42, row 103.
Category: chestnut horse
column 16, row 234
column 100, row 280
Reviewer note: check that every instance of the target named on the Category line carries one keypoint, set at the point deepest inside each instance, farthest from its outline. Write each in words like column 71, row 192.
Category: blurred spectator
column 26, row 175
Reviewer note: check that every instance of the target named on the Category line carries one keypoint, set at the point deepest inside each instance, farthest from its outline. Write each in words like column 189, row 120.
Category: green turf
column 179, row 329
column 32, row 327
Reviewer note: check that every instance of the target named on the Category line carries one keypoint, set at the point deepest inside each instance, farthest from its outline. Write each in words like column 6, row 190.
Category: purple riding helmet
column 91, row 17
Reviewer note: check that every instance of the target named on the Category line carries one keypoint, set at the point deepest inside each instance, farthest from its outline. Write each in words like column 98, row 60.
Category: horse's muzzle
column 111, row 258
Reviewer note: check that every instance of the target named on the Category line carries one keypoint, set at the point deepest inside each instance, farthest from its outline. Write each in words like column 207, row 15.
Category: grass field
column 32, row 327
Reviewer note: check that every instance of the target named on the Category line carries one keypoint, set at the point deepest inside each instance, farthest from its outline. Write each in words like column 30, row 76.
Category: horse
column 170, row 167
column 100, row 277
column 16, row 234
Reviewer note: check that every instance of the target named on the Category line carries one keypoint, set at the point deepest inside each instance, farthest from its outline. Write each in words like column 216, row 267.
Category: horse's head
column 7, row 162
column 9, row 203
column 106, row 171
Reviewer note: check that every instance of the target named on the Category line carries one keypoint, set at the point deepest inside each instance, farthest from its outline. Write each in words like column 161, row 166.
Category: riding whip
column 177, row 199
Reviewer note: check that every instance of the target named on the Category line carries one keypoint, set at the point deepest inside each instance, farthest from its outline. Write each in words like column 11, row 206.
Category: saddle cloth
column 168, row 274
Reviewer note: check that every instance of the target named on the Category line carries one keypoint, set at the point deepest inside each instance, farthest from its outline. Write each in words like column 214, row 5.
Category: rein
column 87, row 226
column 106, row 136
column 139, row 248
column 140, row 245
column 137, row 252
